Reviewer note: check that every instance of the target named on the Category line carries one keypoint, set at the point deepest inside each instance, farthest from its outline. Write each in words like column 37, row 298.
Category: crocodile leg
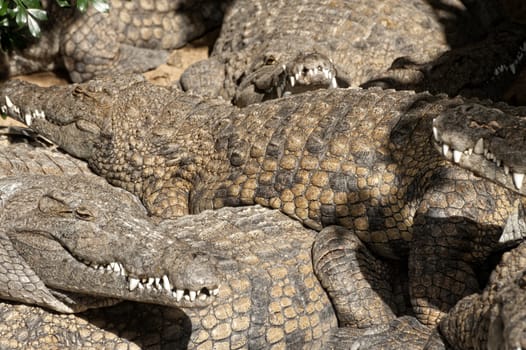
column 356, row 281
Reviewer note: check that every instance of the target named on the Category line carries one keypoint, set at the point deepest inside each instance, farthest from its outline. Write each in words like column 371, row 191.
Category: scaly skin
column 262, row 41
column 487, row 141
column 132, row 37
column 361, row 159
column 484, row 69
column 496, row 318
column 266, row 295
column 61, row 206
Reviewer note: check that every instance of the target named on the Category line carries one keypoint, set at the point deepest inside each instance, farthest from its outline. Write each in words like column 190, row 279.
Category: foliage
column 20, row 19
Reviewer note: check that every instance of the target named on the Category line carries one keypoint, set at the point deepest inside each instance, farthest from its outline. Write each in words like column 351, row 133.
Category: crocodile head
column 76, row 117
column 276, row 75
column 92, row 239
column 486, row 141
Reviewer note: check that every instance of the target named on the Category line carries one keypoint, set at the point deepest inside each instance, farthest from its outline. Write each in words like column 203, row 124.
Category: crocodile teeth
column 334, row 83
column 292, row 81
column 179, row 293
column 166, row 283
column 506, row 169
column 133, row 284
column 517, row 180
column 512, row 68
column 479, row 146
column 435, row 133
column 215, row 291
column 193, row 294
column 3, row 109
column 456, row 156
column 28, row 118
column 149, row 283
column 8, row 102
column 445, row 149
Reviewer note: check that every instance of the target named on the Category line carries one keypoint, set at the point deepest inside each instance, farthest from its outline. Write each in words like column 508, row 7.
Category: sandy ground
column 165, row 74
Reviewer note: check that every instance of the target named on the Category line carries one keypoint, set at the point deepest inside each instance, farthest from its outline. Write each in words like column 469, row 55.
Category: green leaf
column 32, row 4
column 38, row 14
column 3, row 8
column 34, row 27
column 82, row 5
column 101, row 5
column 63, row 3
column 21, row 17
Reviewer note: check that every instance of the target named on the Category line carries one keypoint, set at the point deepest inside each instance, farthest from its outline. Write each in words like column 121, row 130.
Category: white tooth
column 497, row 161
column 470, row 151
column 157, row 283
column 133, row 283
column 334, row 83
column 27, row 118
column 166, row 283
column 179, row 293
column 279, row 92
column 150, row 282
column 101, row 268
column 187, row 297
column 108, row 268
column 123, row 271
column 292, row 81
column 95, row 266
column 215, row 291
column 456, row 156
column 115, row 267
column 506, row 169
column 479, row 146
column 141, row 286
column 8, row 102
column 512, row 68
column 198, row 292
column 3, row 109
column 517, row 180
column 435, row 133
column 192, row 295
column 297, row 76
column 202, row 296
column 496, row 71
column 445, row 149
column 284, row 67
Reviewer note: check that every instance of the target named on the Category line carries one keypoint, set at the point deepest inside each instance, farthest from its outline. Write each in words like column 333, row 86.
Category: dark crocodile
column 132, row 37
column 385, row 183
column 268, row 49
column 483, row 69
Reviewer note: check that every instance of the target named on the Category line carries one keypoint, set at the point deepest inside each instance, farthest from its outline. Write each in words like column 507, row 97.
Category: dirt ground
column 166, row 74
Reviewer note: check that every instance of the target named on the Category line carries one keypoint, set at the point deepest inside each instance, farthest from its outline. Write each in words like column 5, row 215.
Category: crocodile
column 250, row 295
column 182, row 154
column 133, row 36
column 43, row 210
column 483, row 69
column 268, row 49
column 488, row 142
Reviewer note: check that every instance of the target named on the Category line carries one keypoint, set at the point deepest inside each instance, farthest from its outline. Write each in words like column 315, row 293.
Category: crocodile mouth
column 513, row 67
column 153, row 284
column 476, row 156
column 305, row 79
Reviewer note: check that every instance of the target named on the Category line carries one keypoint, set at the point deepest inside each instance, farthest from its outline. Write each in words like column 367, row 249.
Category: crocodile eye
column 84, row 213
column 270, row 60
column 320, row 68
